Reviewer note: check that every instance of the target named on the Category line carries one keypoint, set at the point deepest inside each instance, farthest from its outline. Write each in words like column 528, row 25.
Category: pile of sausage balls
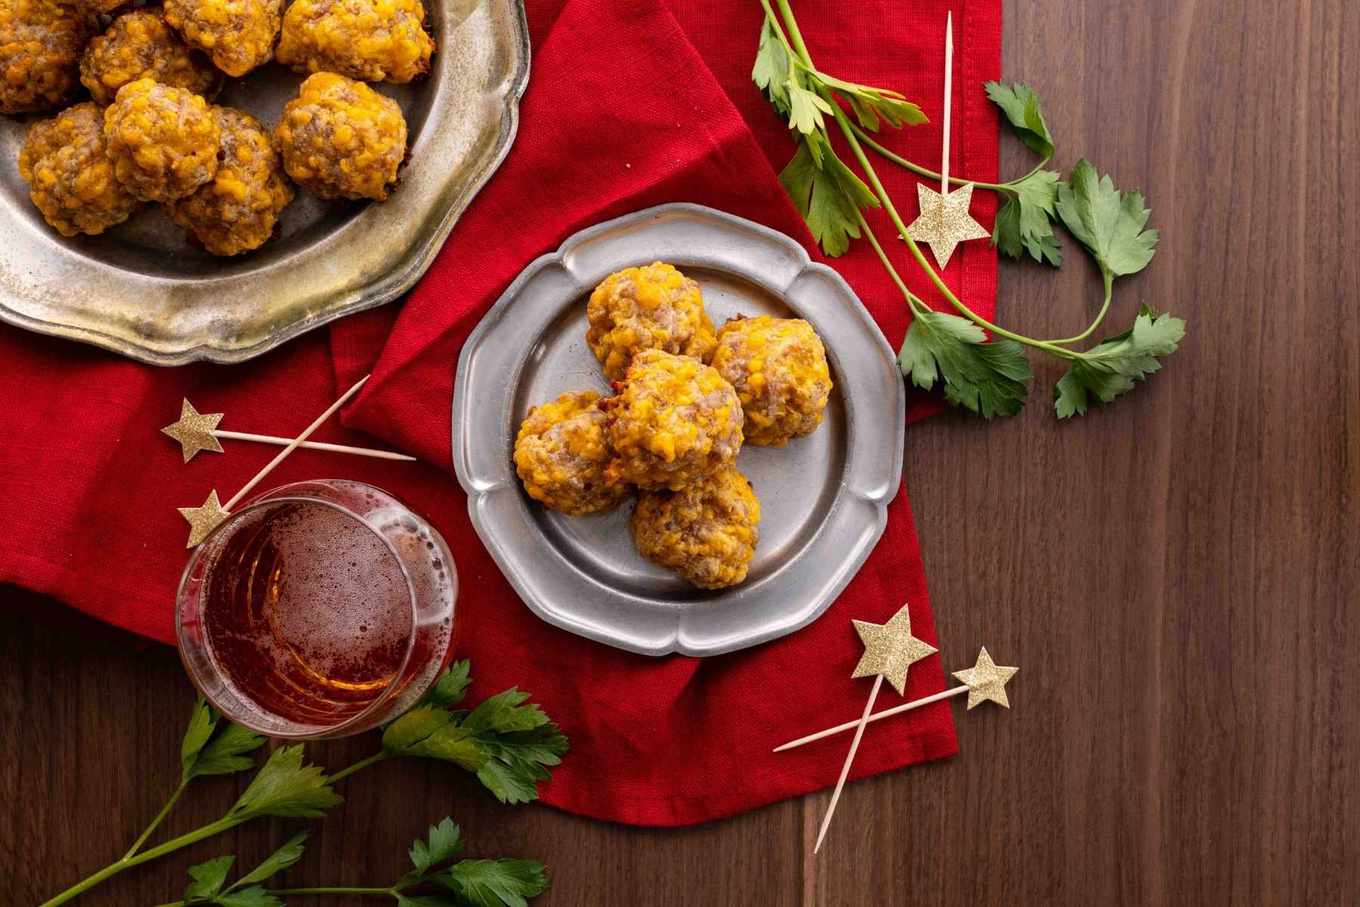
column 148, row 132
column 686, row 397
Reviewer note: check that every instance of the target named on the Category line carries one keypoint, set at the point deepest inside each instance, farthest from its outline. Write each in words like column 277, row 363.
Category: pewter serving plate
column 823, row 498
column 142, row 290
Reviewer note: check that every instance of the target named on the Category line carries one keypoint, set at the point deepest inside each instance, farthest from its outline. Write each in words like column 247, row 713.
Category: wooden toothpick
column 204, row 519
column 313, row 445
column 197, row 432
column 849, row 758
column 985, row 681
column 948, row 99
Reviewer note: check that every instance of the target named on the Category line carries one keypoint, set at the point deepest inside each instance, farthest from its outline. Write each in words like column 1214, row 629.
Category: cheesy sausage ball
column 139, row 45
column 40, row 45
column 341, row 139
column 238, row 35
column 778, row 366
column 163, row 140
column 373, row 40
column 69, row 174
column 675, row 420
column 561, row 454
column 237, row 209
column 654, row 307
column 706, row 532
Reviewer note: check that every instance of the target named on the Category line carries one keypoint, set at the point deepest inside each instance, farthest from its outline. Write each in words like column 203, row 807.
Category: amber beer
column 322, row 608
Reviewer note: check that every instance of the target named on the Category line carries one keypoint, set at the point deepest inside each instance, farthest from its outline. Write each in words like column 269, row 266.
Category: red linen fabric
column 630, row 105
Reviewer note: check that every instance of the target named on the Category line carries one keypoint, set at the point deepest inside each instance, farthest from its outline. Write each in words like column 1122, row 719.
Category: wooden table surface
column 1178, row 575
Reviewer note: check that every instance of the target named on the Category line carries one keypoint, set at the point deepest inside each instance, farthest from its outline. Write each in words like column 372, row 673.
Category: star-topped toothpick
column 198, row 432
column 207, row 517
column 944, row 221
column 889, row 650
column 194, row 431
column 984, row 682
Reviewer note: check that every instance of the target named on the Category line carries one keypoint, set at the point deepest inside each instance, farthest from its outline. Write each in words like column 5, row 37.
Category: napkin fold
column 629, row 105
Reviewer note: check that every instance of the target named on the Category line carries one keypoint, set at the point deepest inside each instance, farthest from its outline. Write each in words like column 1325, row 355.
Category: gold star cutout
column 194, row 431
column 986, row 681
column 203, row 520
column 889, row 649
column 945, row 221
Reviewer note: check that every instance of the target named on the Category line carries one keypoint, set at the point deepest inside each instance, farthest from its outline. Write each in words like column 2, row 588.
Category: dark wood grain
column 1179, row 576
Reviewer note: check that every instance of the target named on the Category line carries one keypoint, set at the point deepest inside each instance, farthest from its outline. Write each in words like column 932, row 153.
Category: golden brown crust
column 561, row 453
column 674, row 420
column 707, row 532
column 778, row 367
column 70, row 175
column 373, row 40
column 140, row 45
column 40, row 46
column 236, row 211
column 238, row 35
column 163, row 140
column 341, row 139
column 652, row 307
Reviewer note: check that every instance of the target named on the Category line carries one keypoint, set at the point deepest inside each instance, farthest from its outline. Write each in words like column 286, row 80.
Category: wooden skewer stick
column 849, row 758
column 311, row 445
column 948, row 99
column 293, row 444
column 876, row 716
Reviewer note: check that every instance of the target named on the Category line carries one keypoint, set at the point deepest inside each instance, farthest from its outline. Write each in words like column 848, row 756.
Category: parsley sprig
column 506, row 741
column 436, row 878
column 988, row 375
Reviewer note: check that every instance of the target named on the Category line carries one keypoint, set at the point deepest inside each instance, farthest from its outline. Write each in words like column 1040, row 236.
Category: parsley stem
column 155, row 823
column 146, row 856
column 1100, row 316
column 360, row 765
column 917, row 169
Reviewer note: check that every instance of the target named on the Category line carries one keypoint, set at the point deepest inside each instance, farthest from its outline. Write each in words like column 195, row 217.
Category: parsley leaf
column 1025, row 222
column 496, row 883
column 828, row 195
column 286, row 787
column 869, row 103
column 442, row 843
column 806, row 108
column 1021, row 106
column 276, row 862
column 429, row 900
column 505, row 741
column 771, row 70
column 214, row 747
column 987, row 378
column 1106, row 221
column 451, row 686
column 254, row 896
column 1113, row 366
column 208, row 879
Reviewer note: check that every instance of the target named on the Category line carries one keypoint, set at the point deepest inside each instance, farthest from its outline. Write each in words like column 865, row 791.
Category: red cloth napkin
column 630, row 105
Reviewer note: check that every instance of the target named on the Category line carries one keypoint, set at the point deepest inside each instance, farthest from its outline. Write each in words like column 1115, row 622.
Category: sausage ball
column 237, row 209
column 561, row 454
column 238, row 35
column 341, row 139
column 778, row 366
column 650, row 308
column 675, row 420
column 139, row 45
column 69, row 173
column 706, row 532
column 163, row 140
column 40, row 45
column 373, row 40
column 104, row 7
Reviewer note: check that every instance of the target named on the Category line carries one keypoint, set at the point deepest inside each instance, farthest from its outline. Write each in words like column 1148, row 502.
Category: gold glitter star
column 945, row 221
column 986, row 681
column 194, row 431
column 889, row 649
column 203, row 520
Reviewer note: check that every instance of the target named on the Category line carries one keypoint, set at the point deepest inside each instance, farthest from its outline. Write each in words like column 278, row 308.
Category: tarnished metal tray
column 142, row 290
column 823, row 497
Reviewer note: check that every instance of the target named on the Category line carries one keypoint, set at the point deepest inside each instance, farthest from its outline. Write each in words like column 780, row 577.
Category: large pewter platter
column 823, row 498
column 142, row 290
